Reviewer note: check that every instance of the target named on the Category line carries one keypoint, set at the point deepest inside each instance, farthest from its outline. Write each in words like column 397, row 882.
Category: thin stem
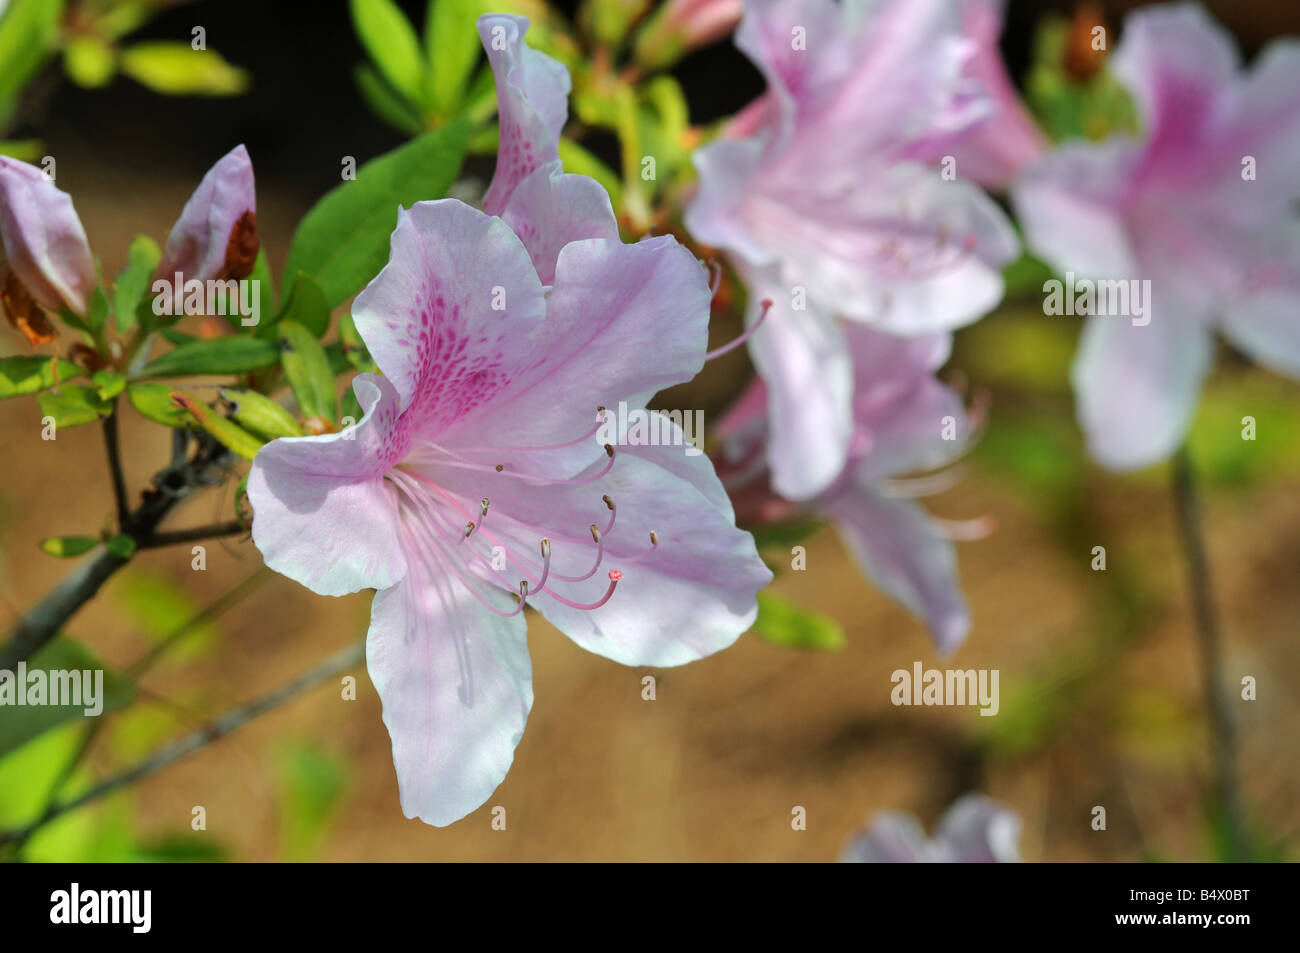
column 1209, row 639
column 200, row 619
column 115, row 470
column 170, row 485
column 228, row 528
column 219, row 727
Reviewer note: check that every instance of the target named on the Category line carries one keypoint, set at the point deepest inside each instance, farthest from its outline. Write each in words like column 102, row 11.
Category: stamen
column 600, row 422
column 484, row 504
column 715, row 277
column 654, row 545
column 531, row 478
column 731, row 346
column 614, row 577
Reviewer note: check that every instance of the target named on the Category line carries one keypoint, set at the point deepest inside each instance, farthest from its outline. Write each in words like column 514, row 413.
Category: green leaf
column 386, row 102
column 308, row 371
column 312, row 787
column 108, row 384
column 177, row 69
column 61, row 657
column 229, row 434
column 354, row 348
column 73, row 405
column 578, row 160
column 20, row 376
column 67, row 547
column 122, row 546
column 28, row 31
column 25, row 150
column 307, row 306
column 790, row 626
column 155, row 402
column 451, row 42
column 261, row 415
column 391, row 42
column 223, row 355
column 265, row 285
column 157, row 607
column 343, row 240
column 350, row 412
column 133, row 280
column 88, row 60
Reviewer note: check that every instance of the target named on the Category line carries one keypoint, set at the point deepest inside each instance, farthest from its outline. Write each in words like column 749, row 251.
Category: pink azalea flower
column 216, row 235
column 1201, row 206
column 975, row 830
column 901, row 419
column 995, row 151
column 824, row 199
column 473, row 485
column 42, row 244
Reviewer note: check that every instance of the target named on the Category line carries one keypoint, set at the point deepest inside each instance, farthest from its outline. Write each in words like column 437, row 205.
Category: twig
column 115, row 470
column 228, row 528
column 219, row 727
column 1209, row 639
column 172, row 484
column 202, row 618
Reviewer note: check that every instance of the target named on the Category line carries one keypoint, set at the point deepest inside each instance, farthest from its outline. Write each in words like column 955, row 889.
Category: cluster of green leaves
column 88, row 35
column 416, row 83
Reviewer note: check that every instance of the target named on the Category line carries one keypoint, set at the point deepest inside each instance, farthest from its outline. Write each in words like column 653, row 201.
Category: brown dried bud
column 241, row 250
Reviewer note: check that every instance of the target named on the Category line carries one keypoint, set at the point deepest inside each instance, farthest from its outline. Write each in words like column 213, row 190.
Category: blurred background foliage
column 1100, row 698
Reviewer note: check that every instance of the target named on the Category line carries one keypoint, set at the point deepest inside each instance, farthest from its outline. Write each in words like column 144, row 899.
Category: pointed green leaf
column 386, row 102
column 308, row 371
column 177, row 69
column 223, row 355
column 452, row 44
column 343, row 240
column 28, row 374
column 391, row 42
column 108, row 384
column 72, row 405
column 229, row 434
column 786, row 624
column 122, row 546
column 133, row 282
column 155, row 402
column 260, row 414
column 66, row 547
column 307, row 306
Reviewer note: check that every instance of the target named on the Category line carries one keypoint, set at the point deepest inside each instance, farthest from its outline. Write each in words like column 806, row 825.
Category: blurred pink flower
column 824, row 199
column 1202, row 205
column 475, row 462
column 994, row 151
column 975, row 830
column 904, row 422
